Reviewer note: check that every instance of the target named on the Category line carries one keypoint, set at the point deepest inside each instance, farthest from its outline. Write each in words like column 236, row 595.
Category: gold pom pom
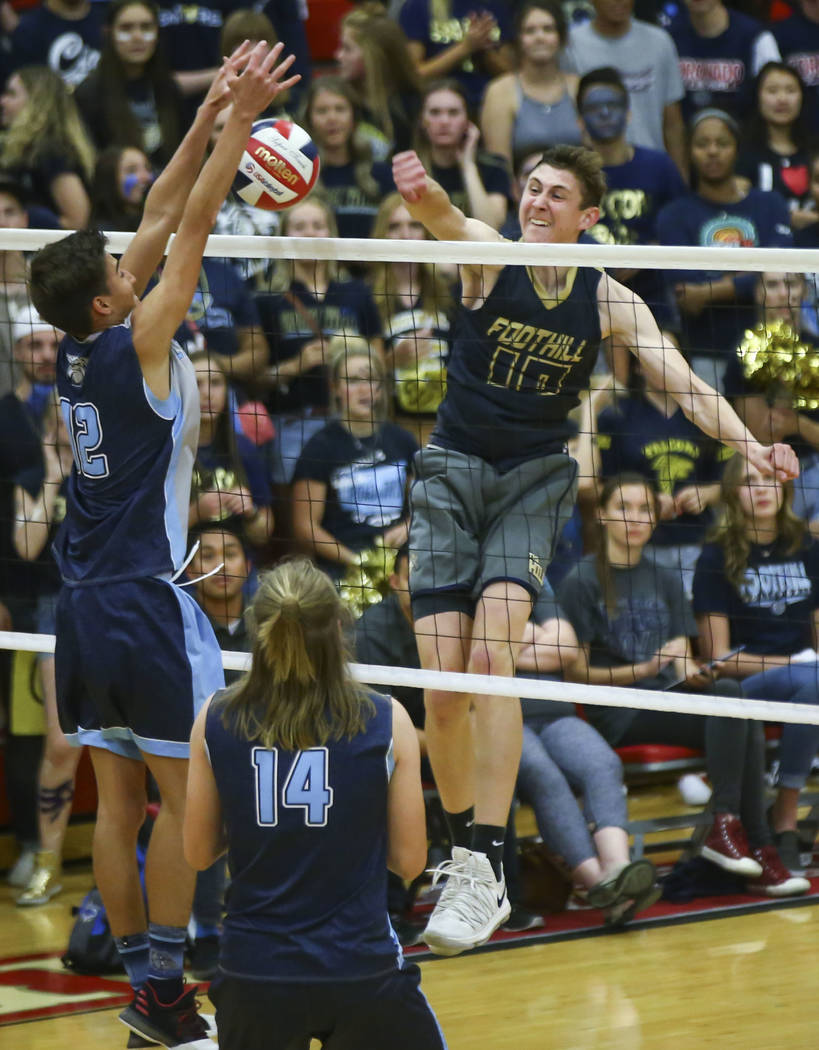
column 773, row 354
column 367, row 581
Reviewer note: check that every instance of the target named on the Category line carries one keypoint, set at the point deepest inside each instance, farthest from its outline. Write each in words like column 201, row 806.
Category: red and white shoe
column 776, row 880
column 727, row 847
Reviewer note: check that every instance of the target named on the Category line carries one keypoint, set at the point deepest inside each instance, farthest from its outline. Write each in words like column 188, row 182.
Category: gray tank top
column 539, row 124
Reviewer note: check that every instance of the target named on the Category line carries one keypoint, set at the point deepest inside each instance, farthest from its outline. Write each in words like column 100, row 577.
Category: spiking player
column 495, row 486
column 135, row 656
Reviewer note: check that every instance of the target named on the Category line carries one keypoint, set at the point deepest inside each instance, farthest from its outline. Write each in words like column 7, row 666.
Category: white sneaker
column 23, row 869
column 472, row 906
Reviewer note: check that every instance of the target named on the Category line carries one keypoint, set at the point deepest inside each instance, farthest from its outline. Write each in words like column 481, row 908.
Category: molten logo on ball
column 279, row 167
column 275, row 165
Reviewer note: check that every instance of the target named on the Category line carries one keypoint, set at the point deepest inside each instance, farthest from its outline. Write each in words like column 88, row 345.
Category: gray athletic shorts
column 472, row 526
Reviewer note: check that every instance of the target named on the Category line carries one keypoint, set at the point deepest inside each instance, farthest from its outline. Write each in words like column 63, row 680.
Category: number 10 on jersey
column 305, row 787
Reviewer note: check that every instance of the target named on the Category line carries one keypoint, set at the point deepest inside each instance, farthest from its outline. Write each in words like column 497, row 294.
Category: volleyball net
column 305, row 332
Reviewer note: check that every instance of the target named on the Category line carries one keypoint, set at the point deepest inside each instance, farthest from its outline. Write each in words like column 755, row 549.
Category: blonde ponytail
column 298, row 692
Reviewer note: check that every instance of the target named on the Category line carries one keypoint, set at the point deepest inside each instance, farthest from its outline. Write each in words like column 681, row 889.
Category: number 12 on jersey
column 305, row 787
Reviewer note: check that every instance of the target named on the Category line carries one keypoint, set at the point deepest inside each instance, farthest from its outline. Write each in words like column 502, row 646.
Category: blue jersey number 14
column 305, row 787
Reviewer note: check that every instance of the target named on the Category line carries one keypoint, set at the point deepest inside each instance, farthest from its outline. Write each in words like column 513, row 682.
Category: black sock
column 460, row 827
column 488, row 839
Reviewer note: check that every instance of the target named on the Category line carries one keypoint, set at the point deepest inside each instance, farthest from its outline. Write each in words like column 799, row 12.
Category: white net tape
column 477, row 253
column 494, row 685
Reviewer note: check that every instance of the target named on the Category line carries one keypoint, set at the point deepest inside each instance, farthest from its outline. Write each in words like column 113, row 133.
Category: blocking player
column 135, row 655
column 495, row 486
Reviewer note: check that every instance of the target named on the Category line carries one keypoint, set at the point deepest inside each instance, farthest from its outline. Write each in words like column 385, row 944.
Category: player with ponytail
column 312, row 785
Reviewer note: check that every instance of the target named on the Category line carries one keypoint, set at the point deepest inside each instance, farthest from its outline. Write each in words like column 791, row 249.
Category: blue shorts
column 378, row 1013
column 134, row 662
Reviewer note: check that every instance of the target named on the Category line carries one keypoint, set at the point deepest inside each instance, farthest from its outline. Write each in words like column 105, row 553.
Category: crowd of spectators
column 318, row 380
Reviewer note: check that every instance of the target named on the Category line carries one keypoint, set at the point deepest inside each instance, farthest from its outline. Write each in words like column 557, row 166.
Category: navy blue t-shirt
column 759, row 220
column 190, row 33
column 37, row 177
column 494, row 176
column 222, row 304
column 772, row 610
column 21, row 463
column 798, row 40
column 717, row 70
column 354, row 209
column 216, row 470
column 40, row 218
column 437, row 32
column 366, row 480
column 69, row 47
column 671, row 452
column 637, row 190
column 307, row 850
column 348, row 306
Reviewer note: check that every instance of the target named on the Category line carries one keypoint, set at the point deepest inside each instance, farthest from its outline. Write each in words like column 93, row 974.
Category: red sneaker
column 171, row 1024
column 776, row 880
column 727, row 847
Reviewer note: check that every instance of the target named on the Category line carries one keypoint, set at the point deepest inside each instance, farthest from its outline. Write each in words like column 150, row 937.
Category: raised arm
column 428, row 202
column 166, row 200
column 162, row 311
column 625, row 315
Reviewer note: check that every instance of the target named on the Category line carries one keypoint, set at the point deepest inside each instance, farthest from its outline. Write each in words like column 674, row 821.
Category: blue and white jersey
column 307, row 850
column 129, row 490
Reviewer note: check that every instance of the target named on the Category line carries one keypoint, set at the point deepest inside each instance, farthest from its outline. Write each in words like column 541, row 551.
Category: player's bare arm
column 406, row 823
column 625, row 315
column 158, row 316
column 203, row 831
column 429, row 203
column 165, row 202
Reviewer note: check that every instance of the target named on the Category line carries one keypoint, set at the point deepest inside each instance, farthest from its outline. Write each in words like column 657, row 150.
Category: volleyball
column 279, row 166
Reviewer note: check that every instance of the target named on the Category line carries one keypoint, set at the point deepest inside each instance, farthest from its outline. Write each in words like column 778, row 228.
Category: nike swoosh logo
column 469, row 823
column 501, row 900
column 497, row 843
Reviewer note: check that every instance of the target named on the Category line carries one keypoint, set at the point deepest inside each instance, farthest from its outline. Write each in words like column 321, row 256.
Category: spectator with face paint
column 640, row 181
column 647, row 60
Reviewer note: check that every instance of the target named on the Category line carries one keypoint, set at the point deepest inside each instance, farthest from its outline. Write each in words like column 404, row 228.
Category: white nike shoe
column 471, row 907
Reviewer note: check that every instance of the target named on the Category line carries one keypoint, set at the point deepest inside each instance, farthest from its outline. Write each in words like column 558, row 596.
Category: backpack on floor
column 91, row 948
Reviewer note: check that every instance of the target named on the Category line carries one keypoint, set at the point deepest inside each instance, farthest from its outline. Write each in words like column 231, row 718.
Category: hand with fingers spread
column 218, row 96
column 409, row 175
column 255, row 79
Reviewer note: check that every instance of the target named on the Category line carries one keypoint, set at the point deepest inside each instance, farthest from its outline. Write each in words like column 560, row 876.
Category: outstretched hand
column 409, row 175
column 218, row 96
column 778, row 461
column 254, row 79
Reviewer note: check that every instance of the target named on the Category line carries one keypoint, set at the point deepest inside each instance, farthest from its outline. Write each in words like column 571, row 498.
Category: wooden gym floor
column 743, row 983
